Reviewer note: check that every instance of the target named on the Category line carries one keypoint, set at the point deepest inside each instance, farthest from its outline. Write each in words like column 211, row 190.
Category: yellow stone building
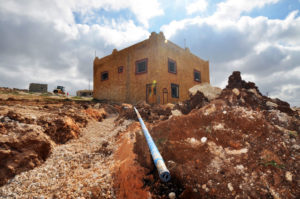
column 155, row 70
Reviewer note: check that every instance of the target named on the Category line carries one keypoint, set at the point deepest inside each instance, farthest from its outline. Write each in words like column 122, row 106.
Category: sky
column 55, row 41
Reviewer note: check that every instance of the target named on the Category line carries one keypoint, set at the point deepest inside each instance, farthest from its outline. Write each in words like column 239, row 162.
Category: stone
column 176, row 112
column 236, row 91
column 271, row 104
column 289, row 176
column 230, row 187
column 203, row 139
column 208, row 91
column 172, row 195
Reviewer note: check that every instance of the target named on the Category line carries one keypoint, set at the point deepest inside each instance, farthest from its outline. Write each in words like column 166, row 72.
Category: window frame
column 175, row 66
column 120, row 69
column 197, row 71
column 136, row 66
column 177, row 86
column 102, row 73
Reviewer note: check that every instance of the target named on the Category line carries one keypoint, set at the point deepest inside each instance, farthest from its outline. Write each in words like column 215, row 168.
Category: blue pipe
column 163, row 172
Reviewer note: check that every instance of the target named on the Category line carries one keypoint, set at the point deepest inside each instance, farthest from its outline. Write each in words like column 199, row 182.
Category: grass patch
column 272, row 163
column 77, row 98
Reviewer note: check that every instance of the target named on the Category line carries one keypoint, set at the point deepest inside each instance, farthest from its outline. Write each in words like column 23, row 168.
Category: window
column 120, row 69
column 197, row 76
column 104, row 76
column 175, row 90
column 172, row 66
column 141, row 66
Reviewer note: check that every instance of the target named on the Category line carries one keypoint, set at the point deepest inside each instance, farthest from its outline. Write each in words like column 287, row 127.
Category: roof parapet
column 157, row 36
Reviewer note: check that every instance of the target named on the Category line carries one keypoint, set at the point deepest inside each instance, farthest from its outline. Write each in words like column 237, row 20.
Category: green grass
column 272, row 163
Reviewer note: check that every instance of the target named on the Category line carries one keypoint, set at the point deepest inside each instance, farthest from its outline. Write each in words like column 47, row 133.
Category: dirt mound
column 60, row 130
column 196, row 101
column 240, row 145
column 97, row 114
column 22, row 151
column 235, row 81
column 149, row 113
column 223, row 152
column 241, row 93
column 17, row 117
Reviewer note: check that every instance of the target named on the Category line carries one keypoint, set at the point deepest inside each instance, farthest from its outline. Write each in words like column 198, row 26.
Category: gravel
column 77, row 169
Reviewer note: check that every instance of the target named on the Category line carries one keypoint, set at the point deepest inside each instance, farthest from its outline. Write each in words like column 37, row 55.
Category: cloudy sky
column 54, row 41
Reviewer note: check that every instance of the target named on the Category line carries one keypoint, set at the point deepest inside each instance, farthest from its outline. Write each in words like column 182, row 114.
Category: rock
column 203, row 139
column 235, row 81
column 254, row 91
column 208, row 91
column 296, row 146
column 127, row 106
column 289, row 176
column 170, row 105
column 236, row 91
column 230, row 187
column 176, row 112
column 271, row 105
column 193, row 142
column 97, row 106
column 172, row 195
column 210, row 109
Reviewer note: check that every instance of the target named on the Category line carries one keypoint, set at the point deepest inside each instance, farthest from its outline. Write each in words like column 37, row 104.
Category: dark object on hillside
column 235, row 81
column 241, row 93
column 195, row 102
column 38, row 88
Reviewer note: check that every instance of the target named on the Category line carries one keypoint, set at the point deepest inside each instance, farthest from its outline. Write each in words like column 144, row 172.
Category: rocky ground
column 230, row 143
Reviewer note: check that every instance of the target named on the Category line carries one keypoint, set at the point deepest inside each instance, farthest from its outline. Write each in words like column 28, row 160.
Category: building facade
column 84, row 93
column 155, row 70
column 39, row 88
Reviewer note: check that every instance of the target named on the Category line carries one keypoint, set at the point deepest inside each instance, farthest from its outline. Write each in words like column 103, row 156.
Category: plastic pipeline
column 163, row 172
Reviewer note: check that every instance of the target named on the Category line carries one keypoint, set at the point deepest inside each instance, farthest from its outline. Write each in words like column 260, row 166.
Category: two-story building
column 154, row 70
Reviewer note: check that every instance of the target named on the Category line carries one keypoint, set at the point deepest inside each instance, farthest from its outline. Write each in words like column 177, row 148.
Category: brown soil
column 31, row 127
column 22, row 153
column 129, row 175
column 252, row 148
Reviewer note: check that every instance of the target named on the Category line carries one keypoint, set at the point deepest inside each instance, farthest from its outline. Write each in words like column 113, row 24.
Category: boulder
column 210, row 92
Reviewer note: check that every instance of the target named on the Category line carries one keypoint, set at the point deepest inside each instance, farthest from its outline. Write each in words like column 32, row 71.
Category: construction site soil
column 240, row 144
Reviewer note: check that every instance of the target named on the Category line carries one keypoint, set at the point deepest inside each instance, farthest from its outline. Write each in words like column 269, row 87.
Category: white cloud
column 35, row 40
column 198, row 5
column 265, row 50
column 232, row 9
column 61, row 12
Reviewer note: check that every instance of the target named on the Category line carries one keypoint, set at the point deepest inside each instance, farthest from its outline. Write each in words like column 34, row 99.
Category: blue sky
column 260, row 38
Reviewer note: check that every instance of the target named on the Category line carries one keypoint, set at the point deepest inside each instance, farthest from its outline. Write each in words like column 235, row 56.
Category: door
column 165, row 96
column 151, row 93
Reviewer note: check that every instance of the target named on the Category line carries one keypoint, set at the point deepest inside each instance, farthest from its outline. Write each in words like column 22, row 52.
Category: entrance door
column 151, row 93
column 165, row 95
